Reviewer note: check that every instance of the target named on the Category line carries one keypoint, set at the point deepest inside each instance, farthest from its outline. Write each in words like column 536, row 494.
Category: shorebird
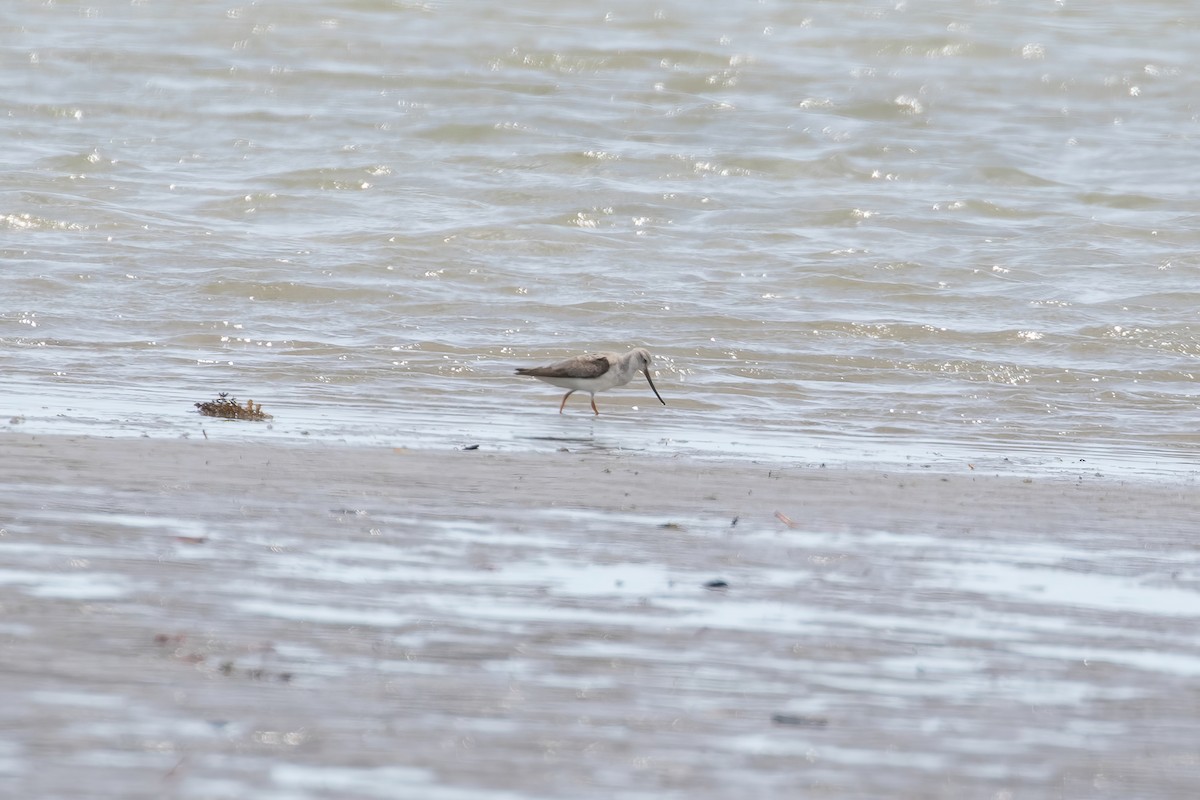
column 594, row 372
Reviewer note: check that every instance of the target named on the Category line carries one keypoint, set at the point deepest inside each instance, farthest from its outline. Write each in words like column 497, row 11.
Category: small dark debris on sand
column 227, row 407
column 799, row 721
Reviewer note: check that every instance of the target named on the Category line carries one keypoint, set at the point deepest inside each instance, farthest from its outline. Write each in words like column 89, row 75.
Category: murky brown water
column 905, row 221
column 207, row 620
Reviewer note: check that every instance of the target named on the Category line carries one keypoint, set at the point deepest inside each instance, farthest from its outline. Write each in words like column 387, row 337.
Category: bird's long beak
column 651, row 380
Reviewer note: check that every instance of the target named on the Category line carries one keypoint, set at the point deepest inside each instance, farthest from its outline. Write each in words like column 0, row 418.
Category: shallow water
column 906, row 224
column 336, row 634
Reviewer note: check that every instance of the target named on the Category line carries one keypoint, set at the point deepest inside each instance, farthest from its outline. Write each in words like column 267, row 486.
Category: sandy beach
column 205, row 619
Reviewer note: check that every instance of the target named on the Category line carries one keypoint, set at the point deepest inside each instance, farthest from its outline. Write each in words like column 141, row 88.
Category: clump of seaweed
column 228, row 407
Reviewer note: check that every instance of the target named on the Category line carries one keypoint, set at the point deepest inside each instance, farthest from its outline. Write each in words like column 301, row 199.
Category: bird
column 594, row 372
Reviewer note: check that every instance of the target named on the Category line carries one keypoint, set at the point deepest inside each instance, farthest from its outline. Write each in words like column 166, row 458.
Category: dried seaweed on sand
column 228, row 407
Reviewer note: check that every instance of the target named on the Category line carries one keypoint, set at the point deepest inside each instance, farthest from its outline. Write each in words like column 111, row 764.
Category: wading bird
column 594, row 372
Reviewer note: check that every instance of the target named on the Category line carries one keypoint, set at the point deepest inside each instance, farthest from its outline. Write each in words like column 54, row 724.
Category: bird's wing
column 588, row 366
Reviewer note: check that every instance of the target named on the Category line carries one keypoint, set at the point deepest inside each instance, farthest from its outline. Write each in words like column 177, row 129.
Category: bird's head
column 641, row 360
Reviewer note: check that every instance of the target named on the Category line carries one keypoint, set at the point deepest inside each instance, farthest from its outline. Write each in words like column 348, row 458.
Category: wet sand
column 203, row 619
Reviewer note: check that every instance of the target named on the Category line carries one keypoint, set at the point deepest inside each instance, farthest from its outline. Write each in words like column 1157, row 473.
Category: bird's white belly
column 600, row 384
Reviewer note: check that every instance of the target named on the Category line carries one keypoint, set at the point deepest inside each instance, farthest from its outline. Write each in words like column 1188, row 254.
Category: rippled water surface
column 964, row 223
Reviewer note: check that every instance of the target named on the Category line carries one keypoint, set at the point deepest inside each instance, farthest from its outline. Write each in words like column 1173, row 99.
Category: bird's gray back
column 585, row 366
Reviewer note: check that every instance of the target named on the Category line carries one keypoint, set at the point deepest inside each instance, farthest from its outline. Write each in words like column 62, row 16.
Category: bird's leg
column 596, row 410
column 564, row 402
